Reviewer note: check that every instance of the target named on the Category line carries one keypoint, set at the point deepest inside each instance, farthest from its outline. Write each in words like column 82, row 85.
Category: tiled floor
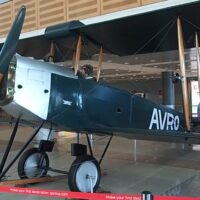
column 128, row 167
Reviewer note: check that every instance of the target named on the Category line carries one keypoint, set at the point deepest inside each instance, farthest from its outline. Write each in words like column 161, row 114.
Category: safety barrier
column 95, row 196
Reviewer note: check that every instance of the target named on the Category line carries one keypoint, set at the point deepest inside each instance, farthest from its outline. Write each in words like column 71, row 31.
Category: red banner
column 156, row 197
column 81, row 195
column 67, row 194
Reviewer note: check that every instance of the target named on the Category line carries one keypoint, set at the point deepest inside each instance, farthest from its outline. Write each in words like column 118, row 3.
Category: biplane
column 62, row 97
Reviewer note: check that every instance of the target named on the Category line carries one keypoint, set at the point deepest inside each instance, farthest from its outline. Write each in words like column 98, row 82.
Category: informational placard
column 195, row 97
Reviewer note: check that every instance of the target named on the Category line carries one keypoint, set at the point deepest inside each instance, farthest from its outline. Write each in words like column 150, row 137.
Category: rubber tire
column 21, row 164
column 73, row 171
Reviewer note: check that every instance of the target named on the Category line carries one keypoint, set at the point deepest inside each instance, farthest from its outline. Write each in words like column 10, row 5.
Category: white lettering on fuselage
column 164, row 122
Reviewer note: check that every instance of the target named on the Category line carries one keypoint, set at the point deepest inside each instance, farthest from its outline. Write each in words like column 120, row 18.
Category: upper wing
column 139, row 33
column 135, row 33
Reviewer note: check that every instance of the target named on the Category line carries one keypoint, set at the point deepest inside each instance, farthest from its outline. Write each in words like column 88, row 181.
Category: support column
column 168, row 89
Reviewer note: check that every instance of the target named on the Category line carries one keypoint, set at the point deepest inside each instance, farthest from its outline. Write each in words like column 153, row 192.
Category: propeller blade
column 99, row 64
column 183, row 75
column 10, row 45
column 198, row 58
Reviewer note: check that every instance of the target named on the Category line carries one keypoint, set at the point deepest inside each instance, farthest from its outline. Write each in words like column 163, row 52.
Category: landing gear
column 6, row 153
column 84, row 174
column 33, row 164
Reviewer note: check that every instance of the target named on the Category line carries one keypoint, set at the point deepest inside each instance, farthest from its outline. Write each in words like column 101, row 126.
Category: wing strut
column 99, row 63
column 183, row 75
column 73, row 59
column 49, row 57
column 52, row 52
column 1, row 78
column 198, row 58
column 77, row 55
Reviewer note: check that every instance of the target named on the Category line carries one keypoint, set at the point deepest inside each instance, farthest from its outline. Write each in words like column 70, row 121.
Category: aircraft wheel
column 33, row 164
column 84, row 174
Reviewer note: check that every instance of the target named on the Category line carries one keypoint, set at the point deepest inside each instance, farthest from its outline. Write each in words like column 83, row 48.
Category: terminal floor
column 129, row 166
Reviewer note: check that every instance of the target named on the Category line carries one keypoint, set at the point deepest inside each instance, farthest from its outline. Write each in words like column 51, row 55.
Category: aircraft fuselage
column 55, row 94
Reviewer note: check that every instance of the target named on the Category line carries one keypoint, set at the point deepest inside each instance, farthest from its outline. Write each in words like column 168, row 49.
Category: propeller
column 10, row 45
column 183, row 75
